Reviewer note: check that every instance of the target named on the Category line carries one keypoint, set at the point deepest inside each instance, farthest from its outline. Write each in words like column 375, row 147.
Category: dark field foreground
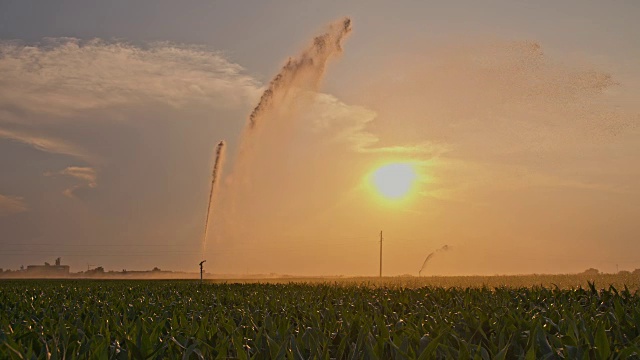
column 181, row 319
column 561, row 281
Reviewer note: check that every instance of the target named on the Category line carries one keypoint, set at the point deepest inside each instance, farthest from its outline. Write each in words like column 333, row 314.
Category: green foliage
column 41, row 319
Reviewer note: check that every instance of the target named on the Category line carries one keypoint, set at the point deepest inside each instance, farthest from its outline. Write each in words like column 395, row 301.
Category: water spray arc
column 267, row 136
column 424, row 264
column 215, row 175
column 306, row 70
column 262, row 139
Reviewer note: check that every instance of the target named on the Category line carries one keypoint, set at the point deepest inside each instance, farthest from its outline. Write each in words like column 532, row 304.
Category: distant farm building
column 48, row 269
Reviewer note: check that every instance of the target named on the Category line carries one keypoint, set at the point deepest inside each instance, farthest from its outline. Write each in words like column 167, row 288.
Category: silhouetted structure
column 96, row 271
column 202, row 269
column 49, row 270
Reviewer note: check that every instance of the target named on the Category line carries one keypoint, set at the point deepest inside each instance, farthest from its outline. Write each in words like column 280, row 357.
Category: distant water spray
column 426, row 261
column 215, row 175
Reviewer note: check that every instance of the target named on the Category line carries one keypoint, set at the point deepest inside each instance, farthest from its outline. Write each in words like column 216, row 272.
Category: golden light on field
column 394, row 181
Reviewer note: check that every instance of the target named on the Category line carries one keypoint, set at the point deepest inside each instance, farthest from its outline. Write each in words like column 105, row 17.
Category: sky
column 520, row 121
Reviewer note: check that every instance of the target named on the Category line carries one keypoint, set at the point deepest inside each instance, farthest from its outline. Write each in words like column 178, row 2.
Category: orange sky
column 523, row 136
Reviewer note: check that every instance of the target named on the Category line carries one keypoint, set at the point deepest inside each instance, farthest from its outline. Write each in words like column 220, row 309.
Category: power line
column 350, row 240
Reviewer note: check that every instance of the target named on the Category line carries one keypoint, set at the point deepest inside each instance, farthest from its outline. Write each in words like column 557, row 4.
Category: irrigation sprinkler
column 201, row 269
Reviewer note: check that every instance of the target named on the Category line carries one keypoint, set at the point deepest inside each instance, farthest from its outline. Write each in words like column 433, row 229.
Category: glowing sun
column 394, row 181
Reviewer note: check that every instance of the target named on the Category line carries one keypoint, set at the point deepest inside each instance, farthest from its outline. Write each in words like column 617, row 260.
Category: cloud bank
column 65, row 75
column 53, row 94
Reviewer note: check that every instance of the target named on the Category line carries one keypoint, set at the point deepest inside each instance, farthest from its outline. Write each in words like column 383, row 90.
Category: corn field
column 87, row 319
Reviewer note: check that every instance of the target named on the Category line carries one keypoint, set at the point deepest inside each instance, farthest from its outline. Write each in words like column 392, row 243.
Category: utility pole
column 201, row 270
column 380, row 253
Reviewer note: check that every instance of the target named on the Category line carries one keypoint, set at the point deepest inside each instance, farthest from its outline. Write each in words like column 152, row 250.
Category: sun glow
column 394, row 181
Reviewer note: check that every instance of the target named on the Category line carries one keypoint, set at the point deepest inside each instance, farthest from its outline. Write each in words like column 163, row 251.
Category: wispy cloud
column 552, row 181
column 465, row 180
column 63, row 75
column 12, row 205
column 83, row 173
column 349, row 122
column 46, row 143
column 87, row 175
